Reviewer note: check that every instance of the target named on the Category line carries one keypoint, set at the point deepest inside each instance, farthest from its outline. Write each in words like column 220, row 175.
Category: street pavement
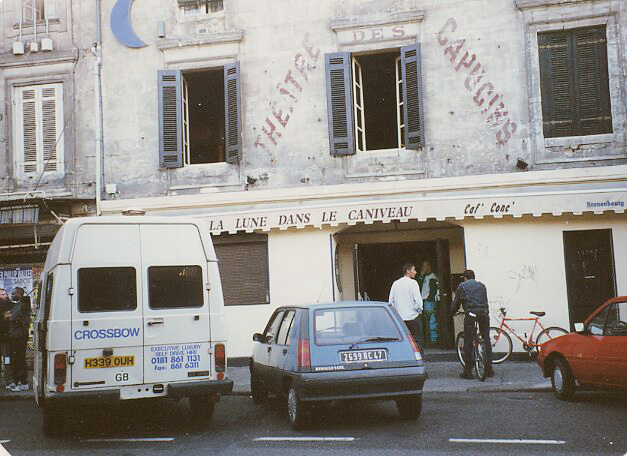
column 443, row 376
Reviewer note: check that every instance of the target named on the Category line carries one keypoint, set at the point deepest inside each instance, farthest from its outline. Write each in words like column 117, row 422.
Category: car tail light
column 60, row 368
column 304, row 356
column 220, row 355
column 414, row 346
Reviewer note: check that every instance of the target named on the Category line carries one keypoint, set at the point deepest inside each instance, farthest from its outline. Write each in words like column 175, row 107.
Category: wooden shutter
column 574, row 82
column 52, row 125
column 412, row 96
column 243, row 264
column 170, row 119
column 592, row 81
column 339, row 103
column 232, row 98
column 27, row 155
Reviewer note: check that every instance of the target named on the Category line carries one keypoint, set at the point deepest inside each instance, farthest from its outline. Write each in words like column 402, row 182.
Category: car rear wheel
column 562, row 380
column 257, row 391
column 297, row 411
column 53, row 422
column 409, row 408
column 202, row 406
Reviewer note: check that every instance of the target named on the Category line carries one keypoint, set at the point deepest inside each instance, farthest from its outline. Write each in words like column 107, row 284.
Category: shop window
column 574, row 82
column 175, row 287
column 38, row 129
column 107, row 289
column 243, row 264
column 199, row 116
column 374, row 100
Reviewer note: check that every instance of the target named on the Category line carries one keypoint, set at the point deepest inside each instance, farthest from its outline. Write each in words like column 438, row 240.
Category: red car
column 594, row 356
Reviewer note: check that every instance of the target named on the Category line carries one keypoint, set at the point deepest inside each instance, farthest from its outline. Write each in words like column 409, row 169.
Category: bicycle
column 502, row 342
column 478, row 350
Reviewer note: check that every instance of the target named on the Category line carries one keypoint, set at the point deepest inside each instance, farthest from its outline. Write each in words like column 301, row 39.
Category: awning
column 534, row 193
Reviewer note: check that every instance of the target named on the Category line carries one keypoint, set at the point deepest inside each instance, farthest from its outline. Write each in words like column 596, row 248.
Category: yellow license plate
column 109, row 361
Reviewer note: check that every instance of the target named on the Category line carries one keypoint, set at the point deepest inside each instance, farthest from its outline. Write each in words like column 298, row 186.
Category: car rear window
column 346, row 325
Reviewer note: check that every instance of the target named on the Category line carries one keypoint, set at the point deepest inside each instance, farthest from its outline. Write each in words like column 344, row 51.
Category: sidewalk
column 443, row 376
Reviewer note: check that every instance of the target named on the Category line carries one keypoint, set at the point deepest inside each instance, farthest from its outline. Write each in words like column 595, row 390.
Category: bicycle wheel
column 480, row 354
column 501, row 345
column 459, row 346
column 548, row 334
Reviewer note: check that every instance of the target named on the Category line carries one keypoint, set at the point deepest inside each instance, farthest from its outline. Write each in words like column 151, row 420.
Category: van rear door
column 107, row 335
column 176, row 311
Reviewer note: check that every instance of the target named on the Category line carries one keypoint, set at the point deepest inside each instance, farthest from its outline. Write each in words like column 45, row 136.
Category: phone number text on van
column 111, row 333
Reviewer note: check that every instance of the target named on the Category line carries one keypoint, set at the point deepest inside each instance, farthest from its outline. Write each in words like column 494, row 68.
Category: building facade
column 327, row 143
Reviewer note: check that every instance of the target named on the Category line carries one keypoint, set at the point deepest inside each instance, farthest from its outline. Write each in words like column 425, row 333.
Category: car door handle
column 155, row 322
column 269, row 349
column 285, row 351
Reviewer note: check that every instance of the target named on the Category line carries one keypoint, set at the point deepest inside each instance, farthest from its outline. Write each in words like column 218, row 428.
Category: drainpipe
column 96, row 51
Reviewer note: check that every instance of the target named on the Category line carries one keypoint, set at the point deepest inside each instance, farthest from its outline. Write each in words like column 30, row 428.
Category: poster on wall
column 17, row 277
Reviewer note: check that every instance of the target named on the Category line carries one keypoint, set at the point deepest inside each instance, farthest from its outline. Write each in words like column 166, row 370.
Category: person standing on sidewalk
column 472, row 295
column 430, row 287
column 5, row 306
column 405, row 297
column 19, row 317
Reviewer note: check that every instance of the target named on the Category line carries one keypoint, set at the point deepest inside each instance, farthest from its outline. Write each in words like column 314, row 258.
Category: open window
column 375, row 100
column 198, row 7
column 199, row 116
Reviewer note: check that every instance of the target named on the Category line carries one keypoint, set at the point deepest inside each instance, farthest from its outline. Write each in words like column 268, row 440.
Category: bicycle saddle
column 539, row 314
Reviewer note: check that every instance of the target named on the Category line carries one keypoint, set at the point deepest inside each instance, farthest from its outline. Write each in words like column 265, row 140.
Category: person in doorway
column 430, row 287
column 5, row 306
column 406, row 298
column 19, row 317
column 472, row 295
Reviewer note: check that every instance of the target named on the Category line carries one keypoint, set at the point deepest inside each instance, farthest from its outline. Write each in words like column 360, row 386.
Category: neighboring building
column 328, row 142
column 45, row 174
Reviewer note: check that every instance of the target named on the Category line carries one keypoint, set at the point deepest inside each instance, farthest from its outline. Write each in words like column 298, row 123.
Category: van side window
column 107, row 289
column 48, row 295
column 172, row 287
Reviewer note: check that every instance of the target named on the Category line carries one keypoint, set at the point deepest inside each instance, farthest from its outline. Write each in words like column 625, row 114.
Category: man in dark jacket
column 5, row 306
column 19, row 316
column 472, row 295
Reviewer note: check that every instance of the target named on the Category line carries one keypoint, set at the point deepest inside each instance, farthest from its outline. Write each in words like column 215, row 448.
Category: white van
column 131, row 307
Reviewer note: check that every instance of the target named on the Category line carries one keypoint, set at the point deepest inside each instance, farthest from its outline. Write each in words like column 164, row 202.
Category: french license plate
column 109, row 361
column 359, row 356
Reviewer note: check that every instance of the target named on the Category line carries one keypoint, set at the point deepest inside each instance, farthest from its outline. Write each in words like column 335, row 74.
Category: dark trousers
column 415, row 328
column 17, row 345
column 469, row 329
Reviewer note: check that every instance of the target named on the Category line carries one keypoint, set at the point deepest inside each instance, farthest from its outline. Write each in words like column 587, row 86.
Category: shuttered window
column 243, row 264
column 574, row 82
column 39, row 129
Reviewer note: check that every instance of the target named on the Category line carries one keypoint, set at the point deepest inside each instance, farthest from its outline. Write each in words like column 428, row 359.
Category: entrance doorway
column 379, row 265
column 590, row 275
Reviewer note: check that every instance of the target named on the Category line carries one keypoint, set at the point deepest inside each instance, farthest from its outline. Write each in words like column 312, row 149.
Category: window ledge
column 579, row 140
column 41, row 24
column 371, row 21
column 223, row 37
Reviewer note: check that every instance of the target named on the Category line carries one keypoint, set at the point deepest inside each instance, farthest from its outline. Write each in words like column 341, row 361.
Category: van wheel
column 202, row 406
column 409, row 408
column 53, row 421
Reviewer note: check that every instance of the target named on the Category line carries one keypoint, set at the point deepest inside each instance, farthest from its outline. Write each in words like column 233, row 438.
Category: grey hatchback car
column 348, row 350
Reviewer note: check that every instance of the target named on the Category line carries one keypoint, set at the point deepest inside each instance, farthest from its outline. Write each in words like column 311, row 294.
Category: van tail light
column 60, row 368
column 304, row 356
column 220, row 356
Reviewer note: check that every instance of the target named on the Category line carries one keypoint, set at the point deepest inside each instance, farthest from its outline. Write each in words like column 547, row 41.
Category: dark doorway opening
column 379, row 265
column 205, row 104
column 590, row 274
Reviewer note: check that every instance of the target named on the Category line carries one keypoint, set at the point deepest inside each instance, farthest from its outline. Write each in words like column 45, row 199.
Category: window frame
column 286, row 315
column 276, row 316
column 18, row 128
column 78, row 289
column 546, row 16
column 202, row 281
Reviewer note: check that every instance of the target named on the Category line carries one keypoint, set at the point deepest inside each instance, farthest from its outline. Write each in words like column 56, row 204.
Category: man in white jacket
column 405, row 297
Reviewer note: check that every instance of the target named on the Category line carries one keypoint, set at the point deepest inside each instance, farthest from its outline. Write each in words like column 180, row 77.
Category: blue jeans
column 431, row 321
column 469, row 329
